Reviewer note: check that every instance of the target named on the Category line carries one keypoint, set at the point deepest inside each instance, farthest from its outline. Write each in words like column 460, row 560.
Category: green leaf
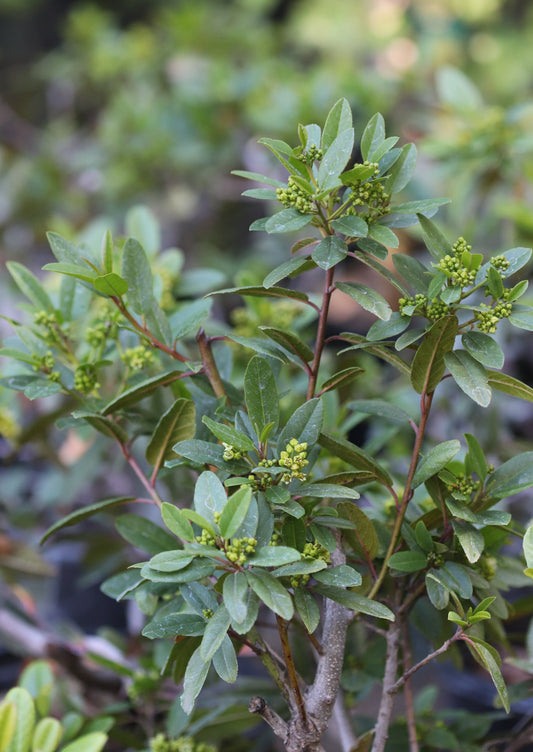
column 419, row 207
column 335, row 160
column 528, row 546
column 340, row 576
column 329, row 252
column 83, row 273
column 307, row 609
column 235, row 511
column 64, row 250
column 176, row 424
column 234, row 591
column 355, row 602
column 483, row 348
column 396, row 324
column 290, row 342
column 363, row 540
column 259, row 178
column 433, row 462
column 121, row 584
column 339, row 119
column 25, row 719
column 136, row 270
column 513, row 476
column 252, row 609
column 47, row 734
column 273, row 556
column 384, row 235
column 428, row 364
column 107, row 249
column 272, row 593
column 171, row 561
column 354, row 456
column 189, row 318
column 435, row 241
column 327, row 491
column 304, row 424
column 304, row 566
column 176, row 522
column 287, row 220
column 377, row 154
column 487, row 659
column 373, row 135
column 265, row 194
column 81, row 514
column 294, row 532
column 469, row 375
column 142, row 224
column 471, row 540
column 341, row 378
column 260, row 292
column 30, row 286
column 229, row 435
column 437, row 593
column 41, row 389
column 260, row 394
column 136, row 393
column 111, row 284
column 174, row 625
column 103, row 425
column 509, row 385
column 144, row 534
column 412, row 271
column 8, row 720
column 402, row 170
column 194, row 680
column 288, row 269
column 367, row 298
column 381, row 408
column 94, row 742
column 351, row 225
column 408, row 561
column 209, row 495
column 215, row 631
column 522, row 317
column 372, row 247
column 423, row 537
column 476, row 457
column 225, row 661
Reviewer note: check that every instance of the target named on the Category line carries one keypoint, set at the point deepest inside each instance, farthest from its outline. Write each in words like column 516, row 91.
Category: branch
column 408, row 692
column 132, row 462
column 341, row 724
column 291, row 670
column 443, row 648
column 210, row 366
column 321, row 695
column 389, row 689
column 260, row 707
column 321, row 333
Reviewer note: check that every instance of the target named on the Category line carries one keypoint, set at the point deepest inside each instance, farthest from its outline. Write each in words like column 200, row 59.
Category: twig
column 260, row 707
column 341, row 723
column 210, row 366
column 381, row 730
column 408, row 692
column 291, row 670
column 132, row 462
column 321, row 333
column 443, row 648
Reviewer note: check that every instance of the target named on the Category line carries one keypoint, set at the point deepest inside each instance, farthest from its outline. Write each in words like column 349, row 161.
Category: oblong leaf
column 272, row 593
column 81, row 514
column 355, row 602
column 176, row 424
column 261, row 394
column 367, row 298
column 144, row 534
column 469, row 375
column 138, row 392
column 483, row 348
column 136, row 270
column 428, row 364
column 513, row 476
column 433, row 462
column 235, row 511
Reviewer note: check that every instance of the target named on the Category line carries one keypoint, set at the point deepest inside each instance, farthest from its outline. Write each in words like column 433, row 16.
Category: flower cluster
column 463, row 486
column 454, row 267
column 137, row 357
column 161, row 743
column 316, row 551
column 294, row 459
column 294, row 197
column 488, row 317
column 370, row 193
column 239, row 549
column 85, row 378
column 313, row 154
column 420, row 304
column 54, row 332
column 500, row 263
column 230, row 453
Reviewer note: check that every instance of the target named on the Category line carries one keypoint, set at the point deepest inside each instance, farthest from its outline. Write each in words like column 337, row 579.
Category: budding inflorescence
column 294, row 197
column 240, row 549
column 161, row 743
column 85, row 378
column 137, row 357
column 294, row 458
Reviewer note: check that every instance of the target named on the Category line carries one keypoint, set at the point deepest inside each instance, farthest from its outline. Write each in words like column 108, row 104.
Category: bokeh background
column 108, row 105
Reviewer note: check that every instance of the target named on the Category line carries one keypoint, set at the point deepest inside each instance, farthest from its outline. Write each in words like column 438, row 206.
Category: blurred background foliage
column 104, row 106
